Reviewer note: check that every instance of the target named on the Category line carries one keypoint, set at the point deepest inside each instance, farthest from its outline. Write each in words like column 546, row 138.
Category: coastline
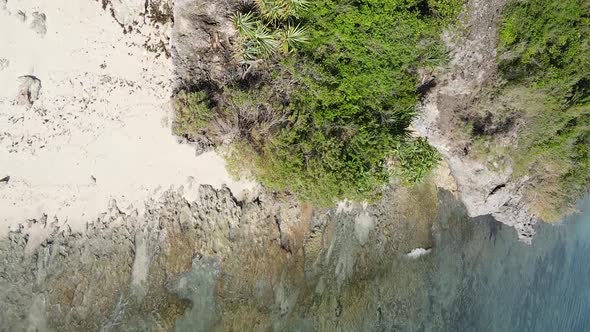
column 99, row 128
column 108, row 222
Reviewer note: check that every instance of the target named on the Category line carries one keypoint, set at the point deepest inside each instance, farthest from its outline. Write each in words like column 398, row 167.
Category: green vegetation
column 357, row 96
column 193, row 113
column 545, row 58
column 328, row 90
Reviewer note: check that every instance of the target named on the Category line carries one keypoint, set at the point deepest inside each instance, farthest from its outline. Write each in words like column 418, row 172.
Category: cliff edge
column 483, row 189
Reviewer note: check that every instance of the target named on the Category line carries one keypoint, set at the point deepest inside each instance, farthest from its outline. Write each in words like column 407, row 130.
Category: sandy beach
column 85, row 113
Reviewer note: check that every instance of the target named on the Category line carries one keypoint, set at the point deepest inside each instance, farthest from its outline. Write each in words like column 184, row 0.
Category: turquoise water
column 485, row 280
column 350, row 274
column 477, row 277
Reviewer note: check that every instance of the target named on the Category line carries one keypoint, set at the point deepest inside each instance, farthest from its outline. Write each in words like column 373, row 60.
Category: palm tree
column 261, row 37
column 244, row 23
column 292, row 37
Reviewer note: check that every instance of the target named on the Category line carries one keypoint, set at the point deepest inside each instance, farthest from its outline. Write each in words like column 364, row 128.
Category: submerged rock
column 415, row 253
column 212, row 263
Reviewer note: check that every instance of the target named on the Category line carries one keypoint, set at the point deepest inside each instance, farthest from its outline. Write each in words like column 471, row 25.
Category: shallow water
column 350, row 273
column 477, row 277
column 499, row 284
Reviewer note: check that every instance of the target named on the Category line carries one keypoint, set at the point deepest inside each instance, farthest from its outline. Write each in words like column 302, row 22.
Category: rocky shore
column 484, row 189
column 181, row 263
column 156, row 258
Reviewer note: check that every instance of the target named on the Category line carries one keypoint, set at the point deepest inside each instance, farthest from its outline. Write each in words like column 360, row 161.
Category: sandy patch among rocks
column 85, row 113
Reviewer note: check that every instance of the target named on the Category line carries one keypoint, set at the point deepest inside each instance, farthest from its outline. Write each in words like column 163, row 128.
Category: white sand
column 103, row 112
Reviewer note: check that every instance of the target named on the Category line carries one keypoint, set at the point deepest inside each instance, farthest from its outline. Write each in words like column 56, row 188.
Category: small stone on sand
column 38, row 25
column 29, row 89
column 4, row 63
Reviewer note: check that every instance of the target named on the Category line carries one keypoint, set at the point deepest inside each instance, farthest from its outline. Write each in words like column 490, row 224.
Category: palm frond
column 271, row 10
column 266, row 41
column 296, row 8
column 266, row 30
column 293, row 37
column 245, row 51
column 245, row 24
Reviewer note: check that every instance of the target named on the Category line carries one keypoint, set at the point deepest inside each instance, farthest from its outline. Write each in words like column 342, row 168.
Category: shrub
column 356, row 97
column 269, row 28
column 414, row 159
column 544, row 47
column 193, row 113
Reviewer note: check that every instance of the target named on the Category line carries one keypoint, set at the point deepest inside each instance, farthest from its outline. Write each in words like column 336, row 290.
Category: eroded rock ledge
column 182, row 264
column 483, row 190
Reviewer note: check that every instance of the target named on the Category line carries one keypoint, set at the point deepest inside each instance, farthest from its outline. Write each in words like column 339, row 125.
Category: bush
column 193, row 113
column 356, row 98
column 544, row 47
column 328, row 122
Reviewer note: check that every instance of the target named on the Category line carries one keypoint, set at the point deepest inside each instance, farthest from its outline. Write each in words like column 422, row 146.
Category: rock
column 292, row 227
column 39, row 23
column 363, row 224
column 4, row 63
column 181, row 264
column 29, row 89
column 417, row 252
column 126, row 12
column 202, row 144
column 200, row 25
column 483, row 190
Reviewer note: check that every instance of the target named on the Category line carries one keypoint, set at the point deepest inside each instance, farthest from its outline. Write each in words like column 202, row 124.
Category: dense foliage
column 545, row 47
column 357, row 96
column 328, row 90
column 193, row 113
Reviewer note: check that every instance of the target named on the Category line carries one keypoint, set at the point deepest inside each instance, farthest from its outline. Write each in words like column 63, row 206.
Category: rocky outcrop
column 483, row 189
column 201, row 43
column 215, row 263
column 127, row 271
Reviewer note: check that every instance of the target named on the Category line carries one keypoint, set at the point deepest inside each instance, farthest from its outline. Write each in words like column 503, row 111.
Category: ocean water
column 353, row 273
column 490, row 282
column 476, row 277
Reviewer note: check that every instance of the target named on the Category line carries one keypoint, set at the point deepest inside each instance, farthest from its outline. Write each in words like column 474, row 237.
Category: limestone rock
column 201, row 49
column 39, row 23
column 291, row 228
column 483, row 190
column 29, row 89
column 363, row 225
